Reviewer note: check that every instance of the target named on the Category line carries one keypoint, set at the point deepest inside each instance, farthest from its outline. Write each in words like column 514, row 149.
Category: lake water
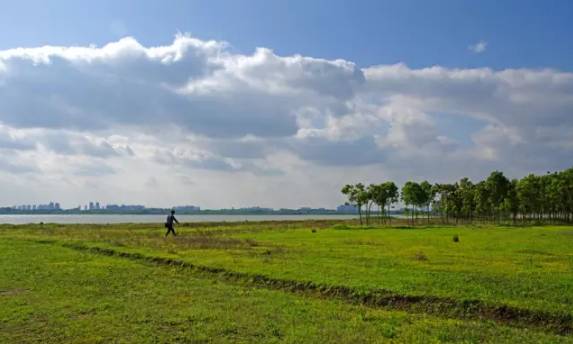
column 102, row 219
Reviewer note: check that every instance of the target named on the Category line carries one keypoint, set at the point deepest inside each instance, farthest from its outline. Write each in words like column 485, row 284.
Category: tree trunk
column 389, row 218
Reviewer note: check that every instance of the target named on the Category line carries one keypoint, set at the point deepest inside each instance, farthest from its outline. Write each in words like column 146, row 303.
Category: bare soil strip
column 561, row 324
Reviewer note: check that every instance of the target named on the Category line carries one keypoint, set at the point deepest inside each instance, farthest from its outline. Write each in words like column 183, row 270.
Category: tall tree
column 378, row 196
column 528, row 192
column 546, row 198
column 357, row 196
column 498, row 186
column 392, row 195
column 426, row 197
column 511, row 201
column 412, row 195
column 446, row 199
column 467, row 195
column 482, row 200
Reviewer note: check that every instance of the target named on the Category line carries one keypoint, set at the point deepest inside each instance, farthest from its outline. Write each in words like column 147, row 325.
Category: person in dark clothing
column 169, row 223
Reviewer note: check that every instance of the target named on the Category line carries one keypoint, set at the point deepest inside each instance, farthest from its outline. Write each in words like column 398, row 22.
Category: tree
column 498, row 186
column 377, row 196
column 528, row 193
column 412, row 194
column 467, row 195
column 363, row 197
column 482, row 200
column 426, row 196
column 446, row 199
column 565, row 179
column 357, row 196
column 383, row 195
column 546, row 198
column 392, row 194
column 511, row 202
column 455, row 202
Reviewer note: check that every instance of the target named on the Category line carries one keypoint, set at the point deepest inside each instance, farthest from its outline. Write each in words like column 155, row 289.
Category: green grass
column 49, row 291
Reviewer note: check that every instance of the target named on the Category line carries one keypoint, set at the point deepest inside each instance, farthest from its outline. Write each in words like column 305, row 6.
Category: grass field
column 285, row 282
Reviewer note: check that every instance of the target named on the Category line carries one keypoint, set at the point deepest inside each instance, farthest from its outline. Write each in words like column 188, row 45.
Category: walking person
column 169, row 223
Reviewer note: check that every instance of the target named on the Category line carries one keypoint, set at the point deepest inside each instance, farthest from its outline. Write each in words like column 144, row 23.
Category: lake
column 113, row 218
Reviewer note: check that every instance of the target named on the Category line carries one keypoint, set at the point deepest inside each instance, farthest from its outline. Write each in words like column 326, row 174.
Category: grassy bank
column 73, row 293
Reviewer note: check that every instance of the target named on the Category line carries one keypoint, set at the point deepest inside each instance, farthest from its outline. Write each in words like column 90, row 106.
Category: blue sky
column 519, row 34
column 276, row 103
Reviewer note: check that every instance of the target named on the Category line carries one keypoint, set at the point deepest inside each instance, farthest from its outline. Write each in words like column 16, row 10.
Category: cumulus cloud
column 519, row 100
column 193, row 84
column 124, row 114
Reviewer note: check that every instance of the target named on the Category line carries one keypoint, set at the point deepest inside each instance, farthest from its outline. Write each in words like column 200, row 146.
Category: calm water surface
column 102, row 219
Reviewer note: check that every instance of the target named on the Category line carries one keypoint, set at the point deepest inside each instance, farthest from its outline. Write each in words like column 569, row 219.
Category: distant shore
column 160, row 218
column 166, row 211
column 161, row 211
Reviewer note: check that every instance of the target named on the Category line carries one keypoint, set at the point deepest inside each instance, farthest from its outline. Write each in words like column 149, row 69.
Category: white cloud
column 261, row 128
column 478, row 47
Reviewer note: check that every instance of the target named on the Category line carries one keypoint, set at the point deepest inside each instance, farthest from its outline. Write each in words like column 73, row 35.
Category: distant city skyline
column 96, row 207
column 48, row 206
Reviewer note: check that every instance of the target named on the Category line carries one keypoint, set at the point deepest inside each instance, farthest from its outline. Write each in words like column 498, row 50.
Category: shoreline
column 13, row 219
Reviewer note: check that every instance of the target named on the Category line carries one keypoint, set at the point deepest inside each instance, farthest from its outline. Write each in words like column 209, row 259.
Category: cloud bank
column 217, row 128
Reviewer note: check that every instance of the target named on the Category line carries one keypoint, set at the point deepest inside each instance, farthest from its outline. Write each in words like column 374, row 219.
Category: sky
column 276, row 103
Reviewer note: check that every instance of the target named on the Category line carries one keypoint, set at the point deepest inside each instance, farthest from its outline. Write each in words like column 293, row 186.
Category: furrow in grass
column 446, row 307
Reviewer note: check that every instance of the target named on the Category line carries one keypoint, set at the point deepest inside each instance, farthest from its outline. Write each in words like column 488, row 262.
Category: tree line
column 532, row 199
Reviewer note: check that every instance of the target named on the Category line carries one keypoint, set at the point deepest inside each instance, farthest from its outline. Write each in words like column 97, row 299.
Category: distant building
column 187, row 208
column 347, row 209
column 37, row 207
column 124, row 207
